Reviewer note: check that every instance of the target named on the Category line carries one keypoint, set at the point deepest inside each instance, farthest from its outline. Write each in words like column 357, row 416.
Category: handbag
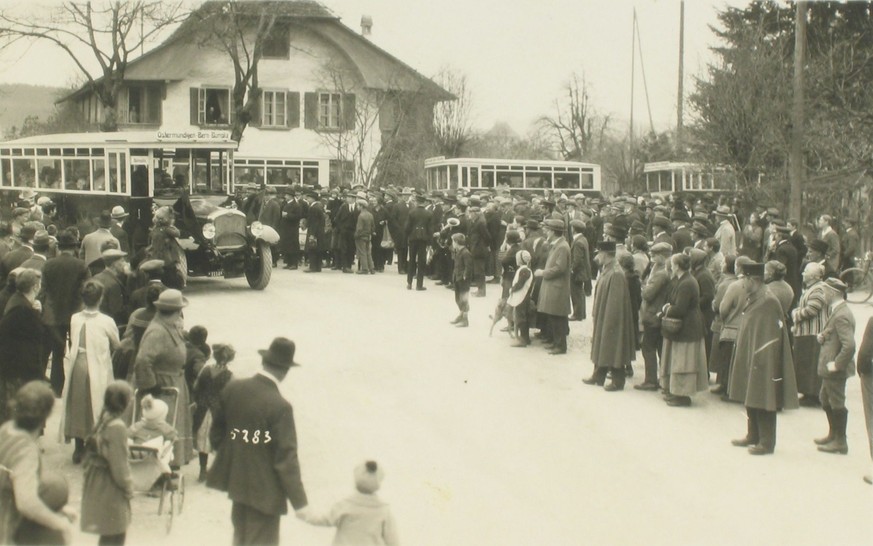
column 728, row 333
column 670, row 325
column 387, row 240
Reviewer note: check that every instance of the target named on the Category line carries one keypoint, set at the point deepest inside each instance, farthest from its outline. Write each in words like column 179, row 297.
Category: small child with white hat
column 153, row 430
column 361, row 518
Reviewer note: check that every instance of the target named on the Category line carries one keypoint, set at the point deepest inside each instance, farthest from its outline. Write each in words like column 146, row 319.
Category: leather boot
column 766, row 433
column 830, row 437
column 752, row 435
column 457, row 319
column 838, row 444
column 463, row 323
column 597, row 378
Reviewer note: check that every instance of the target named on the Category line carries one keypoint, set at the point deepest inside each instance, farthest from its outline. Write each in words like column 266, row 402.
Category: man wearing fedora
column 118, row 230
column 62, row 279
column 419, row 231
column 726, row 234
column 114, row 281
column 92, row 244
column 346, row 222
column 255, row 438
column 17, row 256
column 554, row 296
column 41, row 248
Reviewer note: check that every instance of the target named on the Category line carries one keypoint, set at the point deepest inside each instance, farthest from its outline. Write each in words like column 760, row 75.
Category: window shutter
column 348, row 112
column 257, row 110
column 292, row 105
column 195, row 105
column 310, row 110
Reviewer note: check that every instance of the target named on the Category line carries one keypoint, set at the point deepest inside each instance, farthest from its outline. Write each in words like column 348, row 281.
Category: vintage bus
column 86, row 173
column 665, row 177
column 518, row 175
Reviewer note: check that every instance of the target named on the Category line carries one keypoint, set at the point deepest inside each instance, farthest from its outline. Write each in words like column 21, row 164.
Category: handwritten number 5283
column 256, row 436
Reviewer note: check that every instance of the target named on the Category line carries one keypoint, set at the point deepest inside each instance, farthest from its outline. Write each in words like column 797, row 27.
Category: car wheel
column 260, row 267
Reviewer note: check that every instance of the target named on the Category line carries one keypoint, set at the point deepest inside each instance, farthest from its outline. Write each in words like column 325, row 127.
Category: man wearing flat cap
column 816, row 252
column 836, row 364
column 784, row 252
column 92, row 243
column 828, row 235
column 254, row 434
column 762, row 368
column 726, row 234
column 114, row 281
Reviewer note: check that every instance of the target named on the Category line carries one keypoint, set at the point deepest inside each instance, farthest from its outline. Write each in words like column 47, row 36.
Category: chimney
column 366, row 25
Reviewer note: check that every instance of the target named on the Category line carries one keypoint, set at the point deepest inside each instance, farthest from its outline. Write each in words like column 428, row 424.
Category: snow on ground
column 484, row 444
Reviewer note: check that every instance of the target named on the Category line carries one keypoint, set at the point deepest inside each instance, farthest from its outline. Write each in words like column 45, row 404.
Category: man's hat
column 781, row 227
column 532, row 224
column 453, row 222
column 42, row 239
column 723, row 210
column 819, row 246
column 20, row 211
column 111, row 254
column 118, row 212
column 616, row 231
column 361, row 195
column 679, row 215
column 280, row 353
column 27, row 233
column 577, row 225
column 773, row 211
column 661, row 221
column 836, row 284
column 637, row 227
column 27, row 195
column 700, row 228
column 554, row 224
column 152, row 265
column 606, row 246
column 171, row 300
column 665, row 249
column 753, row 269
column 45, row 201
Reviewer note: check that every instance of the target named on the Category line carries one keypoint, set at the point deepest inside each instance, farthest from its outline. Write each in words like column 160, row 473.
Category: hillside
column 17, row 101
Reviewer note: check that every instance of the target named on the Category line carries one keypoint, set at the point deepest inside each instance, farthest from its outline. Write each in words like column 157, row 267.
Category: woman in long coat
column 210, row 382
column 108, row 487
column 21, row 335
column 683, row 357
column 160, row 362
column 88, row 368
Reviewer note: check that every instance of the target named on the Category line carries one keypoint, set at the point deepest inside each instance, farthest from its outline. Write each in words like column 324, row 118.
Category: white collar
column 268, row 376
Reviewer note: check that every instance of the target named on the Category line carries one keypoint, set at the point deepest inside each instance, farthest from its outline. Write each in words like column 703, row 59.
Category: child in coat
column 153, row 425
column 462, row 278
column 519, row 298
column 362, row 518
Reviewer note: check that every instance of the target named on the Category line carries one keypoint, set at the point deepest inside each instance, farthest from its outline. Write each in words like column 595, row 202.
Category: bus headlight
column 209, row 230
column 257, row 229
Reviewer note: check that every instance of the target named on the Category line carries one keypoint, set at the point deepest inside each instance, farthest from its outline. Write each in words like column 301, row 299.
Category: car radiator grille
column 230, row 231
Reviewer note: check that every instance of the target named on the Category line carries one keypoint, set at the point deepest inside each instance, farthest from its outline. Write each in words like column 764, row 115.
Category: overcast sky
column 516, row 54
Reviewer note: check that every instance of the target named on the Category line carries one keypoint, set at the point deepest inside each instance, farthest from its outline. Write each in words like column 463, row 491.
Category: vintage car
column 219, row 242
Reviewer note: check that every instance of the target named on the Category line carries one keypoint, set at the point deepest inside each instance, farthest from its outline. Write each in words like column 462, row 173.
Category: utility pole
column 633, row 60
column 681, row 93
column 795, row 152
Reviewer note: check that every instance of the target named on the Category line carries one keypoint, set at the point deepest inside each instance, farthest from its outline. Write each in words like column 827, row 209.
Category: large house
column 333, row 107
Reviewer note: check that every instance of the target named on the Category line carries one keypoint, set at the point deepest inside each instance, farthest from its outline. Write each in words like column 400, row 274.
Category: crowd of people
column 755, row 305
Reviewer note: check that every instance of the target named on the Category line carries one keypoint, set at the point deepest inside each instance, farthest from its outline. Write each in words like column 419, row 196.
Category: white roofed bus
column 518, row 175
column 190, row 170
column 666, row 177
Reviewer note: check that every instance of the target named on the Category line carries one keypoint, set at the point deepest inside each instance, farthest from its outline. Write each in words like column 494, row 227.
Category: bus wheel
column 260, row 266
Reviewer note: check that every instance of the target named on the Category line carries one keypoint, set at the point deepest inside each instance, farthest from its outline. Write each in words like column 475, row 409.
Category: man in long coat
column 786, row 253
column 580, row 267
column 255, row 438
column 289, row 231
column 612, row 341
column 113, row 279
column 554, row 297
column 315, row 232
column 762, row 369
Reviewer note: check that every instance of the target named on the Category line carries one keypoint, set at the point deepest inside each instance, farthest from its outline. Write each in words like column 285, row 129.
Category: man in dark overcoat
column 786, row 253
column 397, row 214
column 316, row 242
column 418, row 235
column 580, row 267
column 762, row 368
column 479, row 243
column 613, row 341
column 114, row 281
column 62, row 279
column 255, row 438
column 554, row 296
column 289, row 231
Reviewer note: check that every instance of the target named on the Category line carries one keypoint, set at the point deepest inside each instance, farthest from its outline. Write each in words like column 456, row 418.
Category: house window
column 274, row 109
column 329, row 106
column 214, row 106
column 143, row 105
column 277, row 44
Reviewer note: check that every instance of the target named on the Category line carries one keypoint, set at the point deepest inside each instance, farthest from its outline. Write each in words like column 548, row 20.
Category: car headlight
column 257, row 228
column 209, row 230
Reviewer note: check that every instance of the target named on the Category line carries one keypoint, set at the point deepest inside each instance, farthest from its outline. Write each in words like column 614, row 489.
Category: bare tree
column 576, row 126
column 240, row 30
column 451, row 119
column 106, row 34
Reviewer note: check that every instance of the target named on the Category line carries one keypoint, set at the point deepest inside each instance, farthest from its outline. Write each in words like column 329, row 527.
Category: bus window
column 282, row 176
column 139, row 181
column 453, row 176
column 538, row 180
column 587, row 181
column 49, row 173
column 117, row 172
column 99, row 175
column 564, row 181
column 310, row 176
column 25, row 173
column 5, row 172
column 77, row 175
column 474, row 177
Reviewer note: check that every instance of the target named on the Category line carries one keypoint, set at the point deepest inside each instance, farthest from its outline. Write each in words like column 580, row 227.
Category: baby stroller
column 146, row 468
